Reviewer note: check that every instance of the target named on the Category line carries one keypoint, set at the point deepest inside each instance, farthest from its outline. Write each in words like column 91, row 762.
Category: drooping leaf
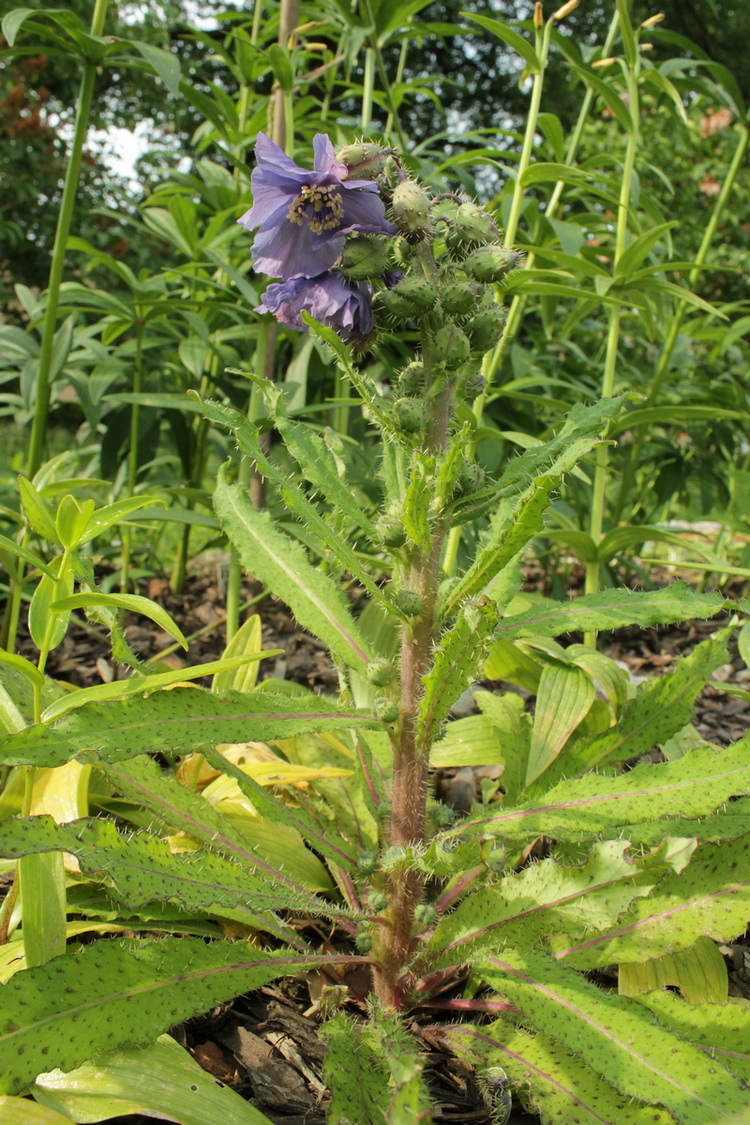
column 161, row 1080
column 613, row 1036
column 176, row 720
column 111, row 994
column 282, row 565
column 700, row 973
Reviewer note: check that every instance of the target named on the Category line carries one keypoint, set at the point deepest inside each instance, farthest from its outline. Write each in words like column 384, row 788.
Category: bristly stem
column 64, row 219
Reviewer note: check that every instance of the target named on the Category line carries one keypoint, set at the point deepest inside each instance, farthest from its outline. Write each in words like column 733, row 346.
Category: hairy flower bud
column 413, row 296
column 452, row 346
column 459, row 297
column 390, row 532
column 411, row 210
column 474, row 226
column 364, row 160
column 386, row 710
column 367, row 861
column 425, row 914
column 491, row 263
column 408, row 414
column 409, row 602
column 379, row 672
column 411, row 379
column 363, row 256
column 377, row 902
column 363, row 943
column 470, row 479
column 486, row 328
column 472, row 385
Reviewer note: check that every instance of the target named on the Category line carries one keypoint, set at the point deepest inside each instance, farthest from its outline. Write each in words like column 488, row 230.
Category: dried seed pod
column 452, row 346
column 363, row 257
column 411, row 211
column 491, row 263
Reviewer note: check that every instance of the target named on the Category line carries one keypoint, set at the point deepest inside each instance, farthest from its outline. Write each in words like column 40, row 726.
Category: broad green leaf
column 710, row 899
column 162, row 1079
column 693, row 786
column 471, row 741
column 38, row 511
column 132, row 602
column 662, row 707
column 511, row 662
column 71, row 519
column 456, row 660
column 46, row 626
column 699, row 972
column 42, row 882
column 282, row 565
column 110, row 994
column 245, row 642
column 656, row 78
column 21, row 1111
column 612, row 609
column 722, row 1030
column 28, row 670
column 634, row 254
column 564, row 696
column 607, row 93
column 562, row 1088
column 106, row 517
column 517, row 42
column 173, row 721
column 614, row 1036
column 550, row 897
column 141, row 868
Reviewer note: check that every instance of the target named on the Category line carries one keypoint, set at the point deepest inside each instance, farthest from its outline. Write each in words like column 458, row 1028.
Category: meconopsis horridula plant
column 363, row 247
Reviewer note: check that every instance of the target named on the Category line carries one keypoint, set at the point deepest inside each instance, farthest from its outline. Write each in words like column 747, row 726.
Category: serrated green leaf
column 616, row 1039
column 722, row 1030
column 700, row 973
column 311, row 453
column 693, row 786
column 282, row 565
column 612, row 609
column 549, row 897
column 141, row 868
column 560, row 1087
column 162, row 1079
column 110, row 994
column 455, row 665
column 174, row 720
column 661, row 708
column 710, row 899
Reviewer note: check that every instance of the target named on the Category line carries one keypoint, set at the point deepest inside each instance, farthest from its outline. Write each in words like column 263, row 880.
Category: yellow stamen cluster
column 320, row 207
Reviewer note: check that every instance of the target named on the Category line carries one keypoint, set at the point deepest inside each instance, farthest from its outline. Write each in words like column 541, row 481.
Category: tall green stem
column 72, row 176
column 368, row 85
column 127, row 531
column 601, row 471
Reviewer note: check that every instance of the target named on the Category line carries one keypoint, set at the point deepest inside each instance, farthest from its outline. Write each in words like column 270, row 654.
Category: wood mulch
column 265, row 1045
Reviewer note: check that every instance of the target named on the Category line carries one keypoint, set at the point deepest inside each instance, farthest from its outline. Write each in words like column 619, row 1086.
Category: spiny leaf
column 176, row 720
column 558, row 1084
column 112, row 994
column 722, row 1030
column 141, row 868
column 550, row 896
column 282, row 565
column 615, row 1038
column 312, row 455
column 612, row 609
column 693, row 786
column 710, row 899
column 455, row 665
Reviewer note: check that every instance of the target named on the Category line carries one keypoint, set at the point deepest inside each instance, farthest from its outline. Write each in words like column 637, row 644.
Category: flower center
column 320, row 207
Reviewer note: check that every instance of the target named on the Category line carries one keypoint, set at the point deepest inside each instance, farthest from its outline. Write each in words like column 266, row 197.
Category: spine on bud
column 411, row 211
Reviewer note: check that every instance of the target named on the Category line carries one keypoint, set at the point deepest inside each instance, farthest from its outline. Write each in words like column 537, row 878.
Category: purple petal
column 272, row 159
column 268, row 208
column 325, row 158
column 365, row 212
column 287, row 250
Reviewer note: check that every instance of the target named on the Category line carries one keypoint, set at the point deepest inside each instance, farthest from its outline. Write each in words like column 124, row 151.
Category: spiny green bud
column 367, row 861
column 411, row 379
column 408, row 414
column 486, row 328
column 379, row 672
column 442, row 815
column 491, row 263
column 363, row 943
column 386, row 710
column 425, row 914
column 393, row 856
column 413, row 296
column 411, row 210
column 364, row 160
column 470, row 478
column 459, row 297
column 409, row 602
column 390, row 532
column 377, row 902
column 472, row 385
column 363, row 257
column 474, row 226
column 452, row 346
